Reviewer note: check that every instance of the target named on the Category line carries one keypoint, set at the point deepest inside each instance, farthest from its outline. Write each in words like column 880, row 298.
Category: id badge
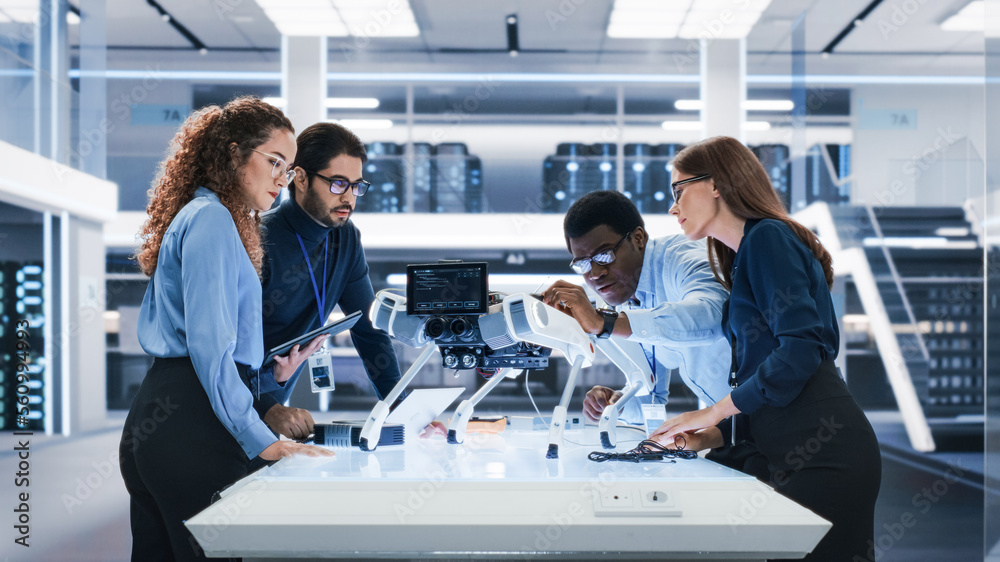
column 321, row 371
column 653, row 415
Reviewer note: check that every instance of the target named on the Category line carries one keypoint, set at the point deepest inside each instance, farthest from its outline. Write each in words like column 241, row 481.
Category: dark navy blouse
column 780, row 316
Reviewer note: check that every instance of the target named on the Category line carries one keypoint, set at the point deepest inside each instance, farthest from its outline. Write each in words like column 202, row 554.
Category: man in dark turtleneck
column 314, row 261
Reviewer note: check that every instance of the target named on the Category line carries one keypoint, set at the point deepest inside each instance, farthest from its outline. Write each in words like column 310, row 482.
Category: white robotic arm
column 522, row 318
column 629, row 358
column 527, row 319
column 388, row 313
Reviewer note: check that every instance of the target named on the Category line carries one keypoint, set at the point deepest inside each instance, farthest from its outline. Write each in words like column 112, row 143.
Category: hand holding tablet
column 335, row 327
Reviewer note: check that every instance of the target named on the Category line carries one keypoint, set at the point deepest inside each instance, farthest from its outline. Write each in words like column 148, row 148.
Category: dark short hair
column 320, row 143
column 601, row 207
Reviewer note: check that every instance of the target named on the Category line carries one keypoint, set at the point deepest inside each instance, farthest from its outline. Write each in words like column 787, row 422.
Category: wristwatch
column 609, row 322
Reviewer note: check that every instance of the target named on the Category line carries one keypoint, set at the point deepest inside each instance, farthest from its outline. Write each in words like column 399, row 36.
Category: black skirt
column 820, row 451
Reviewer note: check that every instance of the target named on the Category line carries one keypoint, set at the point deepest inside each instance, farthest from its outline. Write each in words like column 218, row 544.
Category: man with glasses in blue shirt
column 314, row 261
column 663, row 293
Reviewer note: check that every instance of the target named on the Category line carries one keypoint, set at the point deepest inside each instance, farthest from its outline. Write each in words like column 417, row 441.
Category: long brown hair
column 200, row 155
column 745, row 187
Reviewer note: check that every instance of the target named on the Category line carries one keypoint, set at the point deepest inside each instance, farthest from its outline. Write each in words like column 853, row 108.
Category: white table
column 496, row 496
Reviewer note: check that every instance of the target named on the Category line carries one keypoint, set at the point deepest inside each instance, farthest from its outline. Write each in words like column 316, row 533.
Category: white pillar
column 723, row 87
column 303, row 79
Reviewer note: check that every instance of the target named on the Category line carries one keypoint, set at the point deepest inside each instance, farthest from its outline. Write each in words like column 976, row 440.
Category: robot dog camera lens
column 435, row 327
column 460, row 327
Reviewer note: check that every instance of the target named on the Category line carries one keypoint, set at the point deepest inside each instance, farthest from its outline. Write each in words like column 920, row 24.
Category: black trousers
column 175, row 455
column 821, row 452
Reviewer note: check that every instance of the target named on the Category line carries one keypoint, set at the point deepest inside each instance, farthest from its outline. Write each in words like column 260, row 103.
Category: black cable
column 646, row 451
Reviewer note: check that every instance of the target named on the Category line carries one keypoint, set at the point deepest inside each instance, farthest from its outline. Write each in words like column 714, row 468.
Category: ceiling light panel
column 969, row 18
column 685, row 19
column 340, row 18
column 23, row 11
column 378, row 18
column 638, row 31
column 652, row 5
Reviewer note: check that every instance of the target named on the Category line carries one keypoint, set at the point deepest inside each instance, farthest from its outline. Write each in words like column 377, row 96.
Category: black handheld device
column 335, row 327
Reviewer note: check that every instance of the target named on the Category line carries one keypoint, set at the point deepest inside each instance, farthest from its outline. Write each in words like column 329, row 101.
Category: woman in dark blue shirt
column 809, row 438
column 192, row 429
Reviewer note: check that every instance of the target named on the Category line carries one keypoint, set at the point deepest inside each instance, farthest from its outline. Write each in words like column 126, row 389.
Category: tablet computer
column 335, row 327
column 421, row 406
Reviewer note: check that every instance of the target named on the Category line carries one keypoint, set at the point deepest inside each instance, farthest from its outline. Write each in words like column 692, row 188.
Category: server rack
column 23, row 348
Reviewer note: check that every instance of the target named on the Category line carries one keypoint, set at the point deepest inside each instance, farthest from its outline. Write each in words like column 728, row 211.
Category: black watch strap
column 610, row 316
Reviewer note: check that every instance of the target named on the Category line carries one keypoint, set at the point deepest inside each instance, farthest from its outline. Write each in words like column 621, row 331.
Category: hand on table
column 281, row 449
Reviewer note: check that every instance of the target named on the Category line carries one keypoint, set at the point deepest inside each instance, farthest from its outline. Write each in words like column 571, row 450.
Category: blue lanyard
column 320, row 300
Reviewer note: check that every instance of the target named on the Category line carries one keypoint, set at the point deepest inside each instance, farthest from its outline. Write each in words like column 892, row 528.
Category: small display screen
column 447, row 289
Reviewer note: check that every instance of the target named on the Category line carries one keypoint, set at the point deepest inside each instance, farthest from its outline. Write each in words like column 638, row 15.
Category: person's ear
column 301, row 179
column 640, row 236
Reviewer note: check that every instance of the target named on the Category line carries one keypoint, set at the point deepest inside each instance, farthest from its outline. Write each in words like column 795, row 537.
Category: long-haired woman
column 814, row 443
column 192, row 429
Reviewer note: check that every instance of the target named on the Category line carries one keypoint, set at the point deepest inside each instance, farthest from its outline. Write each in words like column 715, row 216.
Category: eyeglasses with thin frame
column 607, row 257
column 340, row 185
column 676, row 184
column 277, row 163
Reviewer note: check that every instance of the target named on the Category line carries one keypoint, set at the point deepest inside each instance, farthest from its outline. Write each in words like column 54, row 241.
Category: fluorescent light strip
column 512, row 77
column 210, row 76
column 213, row 76
column 919, row 242
column 697, row 125
column 952, row 231
column 749, row 105
column 351, row 103
column 354, row 124
column 870, row 79
column 333, row 103
column 682, row 125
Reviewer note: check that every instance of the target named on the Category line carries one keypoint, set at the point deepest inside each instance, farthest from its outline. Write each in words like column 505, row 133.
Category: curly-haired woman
column 813, row 442
column 192, row 428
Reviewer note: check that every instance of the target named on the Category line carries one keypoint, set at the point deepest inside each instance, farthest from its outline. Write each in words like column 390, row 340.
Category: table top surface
column 511, row 456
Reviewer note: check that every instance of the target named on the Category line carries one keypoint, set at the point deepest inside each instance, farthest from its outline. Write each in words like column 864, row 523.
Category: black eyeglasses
column 340, row 185
column 607, row 257
column 676, row 184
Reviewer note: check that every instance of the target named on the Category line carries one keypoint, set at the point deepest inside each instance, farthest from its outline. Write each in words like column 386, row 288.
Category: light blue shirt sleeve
column 678, row 318
column 688, row 299
column 204, row 302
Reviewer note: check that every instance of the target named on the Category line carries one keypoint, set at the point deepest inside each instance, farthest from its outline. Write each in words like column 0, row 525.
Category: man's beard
column 316, row 209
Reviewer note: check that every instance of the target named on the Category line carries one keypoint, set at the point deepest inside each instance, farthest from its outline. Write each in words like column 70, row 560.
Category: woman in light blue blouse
column 192, row 428
column 805, row 434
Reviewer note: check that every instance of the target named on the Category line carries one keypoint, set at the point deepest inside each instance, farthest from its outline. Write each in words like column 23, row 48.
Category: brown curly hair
column 200, row 155
column 746, row 188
